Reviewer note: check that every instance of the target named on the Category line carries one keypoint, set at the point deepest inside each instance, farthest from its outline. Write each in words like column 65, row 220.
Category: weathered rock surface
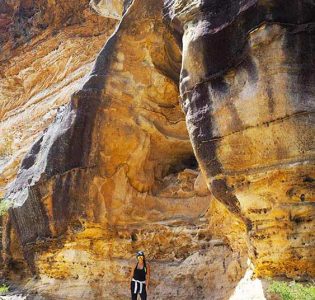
column 246, row 84
column 115, row 172
column 39, row 76
column 110, row 8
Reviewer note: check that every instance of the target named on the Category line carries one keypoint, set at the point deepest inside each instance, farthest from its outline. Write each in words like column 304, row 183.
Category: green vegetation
column 4, row 289
column 4, row 206
column 292, row 290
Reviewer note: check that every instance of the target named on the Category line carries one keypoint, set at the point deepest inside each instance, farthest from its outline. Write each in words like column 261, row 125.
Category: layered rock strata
column 41, row 66
column 114, row 173
column 246, row 85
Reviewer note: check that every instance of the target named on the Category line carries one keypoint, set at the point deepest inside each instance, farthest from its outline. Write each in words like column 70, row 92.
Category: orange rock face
column 114, row 170
column 115, row 173
column 40, row 75
column 246, row 92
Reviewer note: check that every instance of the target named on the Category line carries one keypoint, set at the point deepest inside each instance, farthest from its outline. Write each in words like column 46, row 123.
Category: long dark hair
column 141, row 253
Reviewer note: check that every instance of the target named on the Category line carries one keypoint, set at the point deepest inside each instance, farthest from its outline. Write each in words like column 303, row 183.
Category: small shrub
column 4, row 288
column 4, row 206
column 292, row 290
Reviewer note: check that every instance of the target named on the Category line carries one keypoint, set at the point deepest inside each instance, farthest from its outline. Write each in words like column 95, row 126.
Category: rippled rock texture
column 116, row 171
column 247, row 88
column 41, row 66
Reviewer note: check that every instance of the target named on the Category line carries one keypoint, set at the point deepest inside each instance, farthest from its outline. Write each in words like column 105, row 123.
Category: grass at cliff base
column 292, row 290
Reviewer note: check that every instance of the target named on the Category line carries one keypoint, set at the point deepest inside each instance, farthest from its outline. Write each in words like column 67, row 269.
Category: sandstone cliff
column 246, row 86
column 109, row 150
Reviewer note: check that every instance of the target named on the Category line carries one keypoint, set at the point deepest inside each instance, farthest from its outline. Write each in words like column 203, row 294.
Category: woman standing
column 140, row 277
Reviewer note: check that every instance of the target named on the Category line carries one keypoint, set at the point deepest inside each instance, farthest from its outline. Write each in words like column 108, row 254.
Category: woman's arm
column 132, row 272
